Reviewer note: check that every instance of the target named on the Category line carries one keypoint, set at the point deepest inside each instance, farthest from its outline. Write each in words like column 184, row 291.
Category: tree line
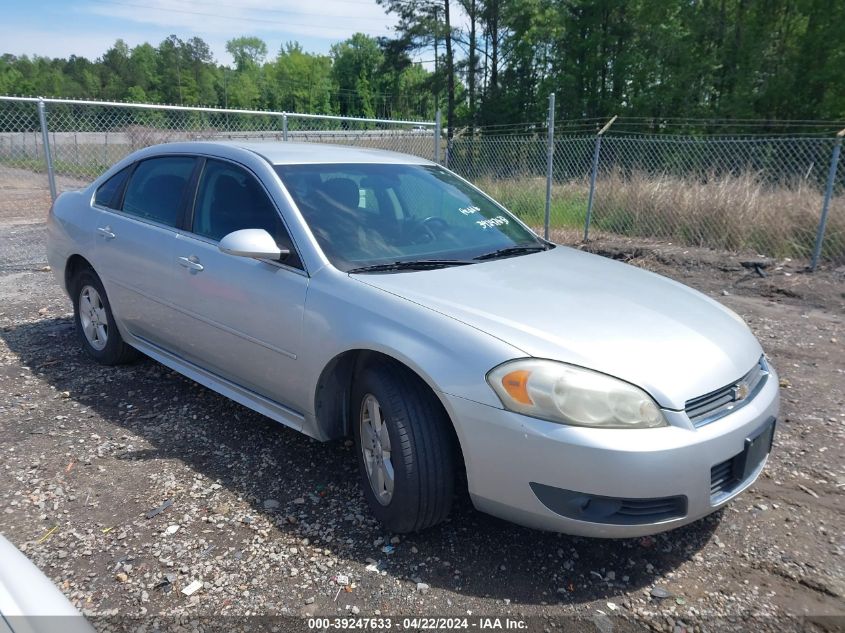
column 652, row 61
column 356, row 78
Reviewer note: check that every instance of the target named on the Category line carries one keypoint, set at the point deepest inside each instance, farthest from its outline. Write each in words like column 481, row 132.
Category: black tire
column 421, row 445
column 116, row 351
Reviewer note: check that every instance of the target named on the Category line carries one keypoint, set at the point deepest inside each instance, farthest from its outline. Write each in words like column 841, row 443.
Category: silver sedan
column 353, row 292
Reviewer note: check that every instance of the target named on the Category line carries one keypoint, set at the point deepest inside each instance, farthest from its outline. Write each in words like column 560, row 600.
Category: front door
column 246, row 314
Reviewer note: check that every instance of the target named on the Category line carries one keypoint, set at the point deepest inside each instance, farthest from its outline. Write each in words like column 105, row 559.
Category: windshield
column 367, row 215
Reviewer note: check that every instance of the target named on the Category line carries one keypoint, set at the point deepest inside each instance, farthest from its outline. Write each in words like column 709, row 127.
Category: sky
column 59, row 28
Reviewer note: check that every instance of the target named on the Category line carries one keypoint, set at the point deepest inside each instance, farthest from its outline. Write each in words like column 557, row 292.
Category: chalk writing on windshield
column 490, row 222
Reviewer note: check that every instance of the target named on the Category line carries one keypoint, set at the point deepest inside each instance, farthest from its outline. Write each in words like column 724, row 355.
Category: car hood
column 594, row 312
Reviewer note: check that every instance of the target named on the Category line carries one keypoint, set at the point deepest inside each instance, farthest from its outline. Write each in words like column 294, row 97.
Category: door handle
column 191, row 263
column 106, row 232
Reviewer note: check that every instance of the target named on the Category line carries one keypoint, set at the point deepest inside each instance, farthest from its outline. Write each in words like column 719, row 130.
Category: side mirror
column 256, row 243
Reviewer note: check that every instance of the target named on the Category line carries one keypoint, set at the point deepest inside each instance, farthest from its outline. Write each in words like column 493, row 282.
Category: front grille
column 716, row 404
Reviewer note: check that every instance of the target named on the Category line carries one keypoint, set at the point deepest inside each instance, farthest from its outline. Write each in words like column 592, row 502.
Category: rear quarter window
column 108, row 194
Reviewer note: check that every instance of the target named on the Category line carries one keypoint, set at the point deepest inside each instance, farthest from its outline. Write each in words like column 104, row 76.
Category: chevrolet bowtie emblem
column 740, row 391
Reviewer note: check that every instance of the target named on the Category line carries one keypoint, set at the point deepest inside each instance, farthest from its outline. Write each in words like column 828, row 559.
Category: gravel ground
column 268, row 522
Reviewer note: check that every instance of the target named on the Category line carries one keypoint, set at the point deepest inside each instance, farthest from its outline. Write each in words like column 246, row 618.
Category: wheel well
column 74, row 264
column 331, row 400
column 334, row 389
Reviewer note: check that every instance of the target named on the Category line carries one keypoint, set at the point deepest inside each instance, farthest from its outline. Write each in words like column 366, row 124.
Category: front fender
column 343, row 314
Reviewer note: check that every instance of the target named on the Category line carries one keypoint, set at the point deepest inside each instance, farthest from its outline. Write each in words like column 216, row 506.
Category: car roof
column 289, row 153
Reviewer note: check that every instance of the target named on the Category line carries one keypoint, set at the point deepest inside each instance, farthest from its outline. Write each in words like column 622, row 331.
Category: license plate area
column 757, row 446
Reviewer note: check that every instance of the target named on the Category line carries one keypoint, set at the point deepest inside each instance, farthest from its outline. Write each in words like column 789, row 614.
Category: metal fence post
column 828, row 194
column 284, row 126
column 437, row 133
column 45, row 140
column 550, row 163
column 593, row 177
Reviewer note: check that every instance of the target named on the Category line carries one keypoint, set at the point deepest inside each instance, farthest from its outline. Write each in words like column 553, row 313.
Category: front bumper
column 505, row 453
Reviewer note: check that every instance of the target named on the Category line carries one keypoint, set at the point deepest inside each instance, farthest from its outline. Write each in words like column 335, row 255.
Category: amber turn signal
column 516, row 384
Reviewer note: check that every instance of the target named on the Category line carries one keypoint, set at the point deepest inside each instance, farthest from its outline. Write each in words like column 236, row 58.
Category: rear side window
column 108, row 194
column 157, row 187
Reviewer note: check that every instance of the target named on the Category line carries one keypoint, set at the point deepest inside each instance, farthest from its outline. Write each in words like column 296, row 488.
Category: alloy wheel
column 92, row 316
column 375, row 446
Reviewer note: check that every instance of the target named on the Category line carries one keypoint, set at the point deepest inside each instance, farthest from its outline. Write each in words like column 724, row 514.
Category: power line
column 262, row 10
column 246, row 6
column 217, row 15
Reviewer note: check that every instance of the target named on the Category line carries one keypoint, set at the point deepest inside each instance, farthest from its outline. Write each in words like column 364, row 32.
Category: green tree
column 355, row 64
column 654, row 59
column 143, row 64
column 248, row 52
column 244, row 91
column 200, row 61
column 423, row 24
column 169, row 70
column 301, row 82
column 473, row 10
column 115, row 70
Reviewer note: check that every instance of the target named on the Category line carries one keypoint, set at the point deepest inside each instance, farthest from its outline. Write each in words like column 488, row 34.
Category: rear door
column 245, row 314
column 135, row 237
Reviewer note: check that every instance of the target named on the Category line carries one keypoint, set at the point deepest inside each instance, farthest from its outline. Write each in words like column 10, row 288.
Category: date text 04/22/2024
column 418, row 623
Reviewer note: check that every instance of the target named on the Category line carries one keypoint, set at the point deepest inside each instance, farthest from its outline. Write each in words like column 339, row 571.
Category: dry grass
column 726, row 212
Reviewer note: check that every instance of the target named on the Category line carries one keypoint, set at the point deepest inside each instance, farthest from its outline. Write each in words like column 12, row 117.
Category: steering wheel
column 433, row 223
column 430, row 226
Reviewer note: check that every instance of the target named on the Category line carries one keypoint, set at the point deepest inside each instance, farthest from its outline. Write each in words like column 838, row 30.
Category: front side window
column 230, row 199
column 370, row 214
column 155, row 191
column 108, row 194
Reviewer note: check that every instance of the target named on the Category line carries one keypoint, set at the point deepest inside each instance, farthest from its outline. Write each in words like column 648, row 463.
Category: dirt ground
column 269, row 522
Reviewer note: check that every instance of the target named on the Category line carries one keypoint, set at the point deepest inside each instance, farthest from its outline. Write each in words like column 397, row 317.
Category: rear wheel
column 95, row 323
column 405, row 449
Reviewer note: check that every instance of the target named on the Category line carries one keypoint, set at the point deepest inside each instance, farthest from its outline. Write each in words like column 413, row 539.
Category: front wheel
column 95, row 323
column 405, row 449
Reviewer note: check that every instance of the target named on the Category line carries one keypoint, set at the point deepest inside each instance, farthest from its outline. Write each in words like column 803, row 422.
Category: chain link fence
column 760, row 195
column 756, row 195
column 86, row 137
column 514, row 169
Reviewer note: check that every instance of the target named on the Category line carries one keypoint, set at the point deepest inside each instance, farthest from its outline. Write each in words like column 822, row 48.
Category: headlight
column 571, row 395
